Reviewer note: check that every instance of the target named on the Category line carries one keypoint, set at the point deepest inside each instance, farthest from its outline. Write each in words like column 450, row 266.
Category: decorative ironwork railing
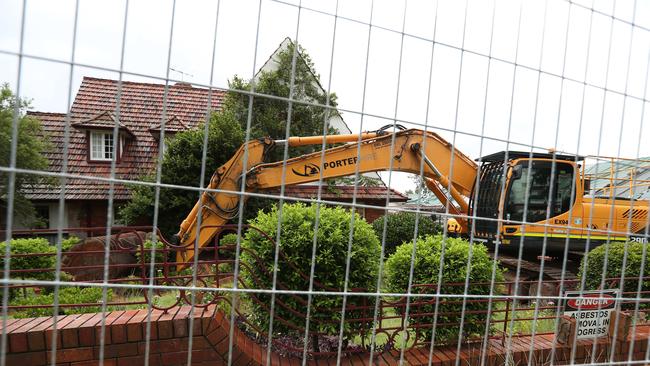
column 375, row 320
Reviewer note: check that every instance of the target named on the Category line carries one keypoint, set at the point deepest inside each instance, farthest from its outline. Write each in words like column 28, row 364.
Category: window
column 538, row 182
column 101, row 146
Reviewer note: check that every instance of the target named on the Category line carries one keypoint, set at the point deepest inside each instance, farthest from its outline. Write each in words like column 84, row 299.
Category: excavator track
column 529, row 275
column 530, row 268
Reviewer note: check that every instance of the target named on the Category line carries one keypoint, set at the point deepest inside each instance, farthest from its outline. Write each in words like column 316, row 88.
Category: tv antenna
column 183, row 74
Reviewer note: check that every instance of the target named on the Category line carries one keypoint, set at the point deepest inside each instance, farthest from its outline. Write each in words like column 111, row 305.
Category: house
column 90, row 148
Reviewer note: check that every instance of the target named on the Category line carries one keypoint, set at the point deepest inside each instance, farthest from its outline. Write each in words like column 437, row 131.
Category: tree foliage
column 296, row 240
column 181, row 165
column 182, row 160
column 426, row 270
column 29, row 154
column 270, row 115
column 400, row 228
column 421, row 192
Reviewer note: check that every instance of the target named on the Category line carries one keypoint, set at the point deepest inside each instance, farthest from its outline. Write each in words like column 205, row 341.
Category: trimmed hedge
column 67, row 295
column 30, row 246
column 68, row 243
column 159, row 256
column 426, row 269
column 296, row 242
column 400, row 228
column 34, row 246
column 594, row 262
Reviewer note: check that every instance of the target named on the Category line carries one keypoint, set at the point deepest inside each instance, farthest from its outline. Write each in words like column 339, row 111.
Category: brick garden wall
column 78, row 344
column 78, row 339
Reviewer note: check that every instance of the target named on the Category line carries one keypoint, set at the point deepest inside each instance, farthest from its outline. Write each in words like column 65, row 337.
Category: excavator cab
column 536, row 187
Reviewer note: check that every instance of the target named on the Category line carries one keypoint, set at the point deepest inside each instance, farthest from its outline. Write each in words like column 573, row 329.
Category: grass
column 164, row 300
column 523, row 326
column 387, row 322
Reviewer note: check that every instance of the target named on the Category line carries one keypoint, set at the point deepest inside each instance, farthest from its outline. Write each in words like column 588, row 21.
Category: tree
column 181, row 165
column 31, row 147
column 182, row 159
column 421, row 192
column 269, row 117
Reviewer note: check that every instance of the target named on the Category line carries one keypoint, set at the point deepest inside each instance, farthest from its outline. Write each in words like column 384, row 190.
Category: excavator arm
column 369, row 152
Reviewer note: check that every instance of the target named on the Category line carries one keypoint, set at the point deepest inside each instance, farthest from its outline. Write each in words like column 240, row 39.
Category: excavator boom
column 405, row 151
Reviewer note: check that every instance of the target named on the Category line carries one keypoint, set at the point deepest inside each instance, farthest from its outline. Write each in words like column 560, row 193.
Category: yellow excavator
column 505, row 198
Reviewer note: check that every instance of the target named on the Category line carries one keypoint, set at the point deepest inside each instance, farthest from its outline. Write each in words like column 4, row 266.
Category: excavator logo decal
column 308, row 170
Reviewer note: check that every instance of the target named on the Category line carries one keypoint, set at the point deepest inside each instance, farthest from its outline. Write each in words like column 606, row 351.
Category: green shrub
column 228, row 239
column 68, row 243
column 30, row 246
column 594, row 262
column 400, row 228
column 296, row 242
column 227, row 254
column 427, row 265
column 147, row 246
column 67, row 295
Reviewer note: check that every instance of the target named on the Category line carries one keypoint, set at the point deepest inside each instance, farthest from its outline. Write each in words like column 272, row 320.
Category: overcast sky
column 522, row 105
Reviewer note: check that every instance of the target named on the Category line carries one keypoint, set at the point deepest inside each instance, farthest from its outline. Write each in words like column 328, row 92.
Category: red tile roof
column 103, row 120
column 141, row 109
column 173, row 125
column 141, row 115
column 342, row 193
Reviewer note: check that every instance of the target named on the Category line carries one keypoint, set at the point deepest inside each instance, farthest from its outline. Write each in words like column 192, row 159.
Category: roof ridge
column 173, row 83
column 46, row 113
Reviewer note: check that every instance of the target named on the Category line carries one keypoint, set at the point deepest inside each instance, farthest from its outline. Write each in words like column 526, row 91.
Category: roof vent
column 183, row 84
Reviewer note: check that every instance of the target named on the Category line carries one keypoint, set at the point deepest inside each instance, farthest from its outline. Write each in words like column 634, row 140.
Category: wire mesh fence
column 336, row 182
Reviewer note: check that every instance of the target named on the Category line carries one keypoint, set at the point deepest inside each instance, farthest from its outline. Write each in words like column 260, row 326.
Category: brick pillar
column 621, row 329
column 567, row 331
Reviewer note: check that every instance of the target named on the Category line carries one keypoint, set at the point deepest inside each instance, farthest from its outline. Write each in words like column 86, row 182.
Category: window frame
column 531, row 163
column 117, row 152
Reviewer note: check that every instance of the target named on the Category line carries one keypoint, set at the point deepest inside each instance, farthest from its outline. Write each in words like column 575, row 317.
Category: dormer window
column 101, row 145
column 99, row 131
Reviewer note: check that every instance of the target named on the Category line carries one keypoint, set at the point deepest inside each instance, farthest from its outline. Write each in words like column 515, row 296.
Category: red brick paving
column 78, row 344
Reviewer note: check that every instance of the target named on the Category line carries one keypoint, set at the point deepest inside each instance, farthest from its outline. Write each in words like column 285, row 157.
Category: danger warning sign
column 592, row 311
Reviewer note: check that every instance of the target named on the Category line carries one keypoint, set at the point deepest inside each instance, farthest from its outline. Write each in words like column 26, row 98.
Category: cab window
column 541, row 195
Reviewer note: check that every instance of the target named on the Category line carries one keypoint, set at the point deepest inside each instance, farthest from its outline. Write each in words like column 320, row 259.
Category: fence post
column 505, row 318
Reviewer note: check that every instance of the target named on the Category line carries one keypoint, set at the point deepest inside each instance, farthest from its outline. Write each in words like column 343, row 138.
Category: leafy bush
column 296, row 242
column 30, row 246
column 68, row 243
column 159, row 255
column 67, row 295
column 400, row 228
column 427, row 265
column 228, row 239
column 227, row 254
column 594, row 262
